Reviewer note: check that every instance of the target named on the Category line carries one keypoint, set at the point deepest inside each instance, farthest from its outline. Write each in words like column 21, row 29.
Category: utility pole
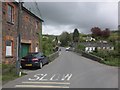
column 19, row 37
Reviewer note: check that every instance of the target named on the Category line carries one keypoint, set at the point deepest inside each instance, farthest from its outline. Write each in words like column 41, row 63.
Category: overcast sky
column 66, row 16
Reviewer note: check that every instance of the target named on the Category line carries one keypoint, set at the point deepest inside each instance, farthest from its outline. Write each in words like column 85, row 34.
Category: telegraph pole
column 19, row 37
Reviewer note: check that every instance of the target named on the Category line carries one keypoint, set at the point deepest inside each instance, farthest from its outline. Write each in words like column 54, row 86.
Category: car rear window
column 30, row 55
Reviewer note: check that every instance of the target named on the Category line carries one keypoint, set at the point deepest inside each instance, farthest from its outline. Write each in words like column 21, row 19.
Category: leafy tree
column 76, row 35
column 106, row 33
column 47, row 45
column 96, row 31
column 65, row 39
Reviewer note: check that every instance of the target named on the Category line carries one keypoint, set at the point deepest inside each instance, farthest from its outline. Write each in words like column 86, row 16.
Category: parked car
column 35, row 59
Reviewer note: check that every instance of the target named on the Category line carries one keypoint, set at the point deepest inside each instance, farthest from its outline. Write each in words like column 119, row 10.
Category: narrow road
column 69, row 70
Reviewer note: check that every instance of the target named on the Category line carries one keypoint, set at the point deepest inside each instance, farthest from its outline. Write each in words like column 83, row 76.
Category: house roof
column 96, row 44
column 89, row 44
column 29, row 12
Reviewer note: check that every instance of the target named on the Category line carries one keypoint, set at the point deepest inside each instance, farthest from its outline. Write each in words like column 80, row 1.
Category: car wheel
column 47, row 63
column 23, row 67
column 40, row 65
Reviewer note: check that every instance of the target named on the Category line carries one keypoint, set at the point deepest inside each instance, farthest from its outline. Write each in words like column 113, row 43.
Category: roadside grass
column 111, row 58
column 9, row 73
column 112, row 62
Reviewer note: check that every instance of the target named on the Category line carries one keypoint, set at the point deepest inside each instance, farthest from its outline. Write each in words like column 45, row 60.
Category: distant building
column 91, row 46
column 89, row 39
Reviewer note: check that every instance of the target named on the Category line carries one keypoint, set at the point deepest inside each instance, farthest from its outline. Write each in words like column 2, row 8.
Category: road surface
column 69, row 70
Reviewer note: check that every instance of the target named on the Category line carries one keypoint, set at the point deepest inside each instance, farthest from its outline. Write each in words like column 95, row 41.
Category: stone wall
column 9, row 32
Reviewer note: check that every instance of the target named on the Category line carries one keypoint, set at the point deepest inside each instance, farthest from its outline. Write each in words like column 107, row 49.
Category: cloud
column 66, row 16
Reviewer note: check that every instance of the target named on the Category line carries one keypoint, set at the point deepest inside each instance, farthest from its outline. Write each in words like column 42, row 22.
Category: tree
column 56, row 40
column 47, row 45
column 106, row 33
column 96, row 31
column 65, row 39
column 76, row 35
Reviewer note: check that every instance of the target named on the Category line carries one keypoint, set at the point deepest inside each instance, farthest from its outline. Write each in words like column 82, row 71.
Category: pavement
column 69, row 70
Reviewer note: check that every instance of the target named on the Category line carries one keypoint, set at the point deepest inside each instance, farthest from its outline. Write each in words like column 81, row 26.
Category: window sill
column 10, row 23
column 8, row 56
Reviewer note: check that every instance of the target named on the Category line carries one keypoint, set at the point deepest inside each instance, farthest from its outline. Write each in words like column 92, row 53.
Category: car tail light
column 34, row 59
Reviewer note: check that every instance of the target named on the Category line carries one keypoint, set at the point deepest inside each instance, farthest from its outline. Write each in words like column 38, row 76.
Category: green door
column 24, row 49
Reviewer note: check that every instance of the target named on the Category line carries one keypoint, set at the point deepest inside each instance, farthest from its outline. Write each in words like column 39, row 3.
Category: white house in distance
column 91, row 46
column 90, row 39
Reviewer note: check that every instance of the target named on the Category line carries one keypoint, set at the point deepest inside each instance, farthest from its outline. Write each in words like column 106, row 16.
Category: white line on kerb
column 66, row 83
column 39, row 86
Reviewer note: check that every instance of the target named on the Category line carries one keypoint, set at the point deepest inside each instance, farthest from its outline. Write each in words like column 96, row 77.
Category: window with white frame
column 8, row 48
column 86, row 49
column 90, row 49
column 93, row 48
column 103, row 47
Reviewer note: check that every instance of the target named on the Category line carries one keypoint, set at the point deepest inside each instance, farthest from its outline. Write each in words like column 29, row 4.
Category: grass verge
column 9, row 73
column 111, row 58
column 113, row 62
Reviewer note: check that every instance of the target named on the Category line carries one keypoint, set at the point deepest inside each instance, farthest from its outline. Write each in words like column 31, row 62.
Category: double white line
column 50, row 85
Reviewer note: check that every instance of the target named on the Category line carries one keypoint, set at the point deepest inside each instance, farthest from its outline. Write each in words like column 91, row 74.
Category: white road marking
column 36, row 77
column 39, row 86
column 66, row 83
column 43, row 77
column 39, row 77
column 68, row 76
column 55, row 77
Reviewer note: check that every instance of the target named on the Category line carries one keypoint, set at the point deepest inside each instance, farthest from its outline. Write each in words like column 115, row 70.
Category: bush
column 81, row 47
column 110, row 57
column 47, row 46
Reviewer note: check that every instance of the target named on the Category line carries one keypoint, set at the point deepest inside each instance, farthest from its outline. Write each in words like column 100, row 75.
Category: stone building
column 31, row 29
